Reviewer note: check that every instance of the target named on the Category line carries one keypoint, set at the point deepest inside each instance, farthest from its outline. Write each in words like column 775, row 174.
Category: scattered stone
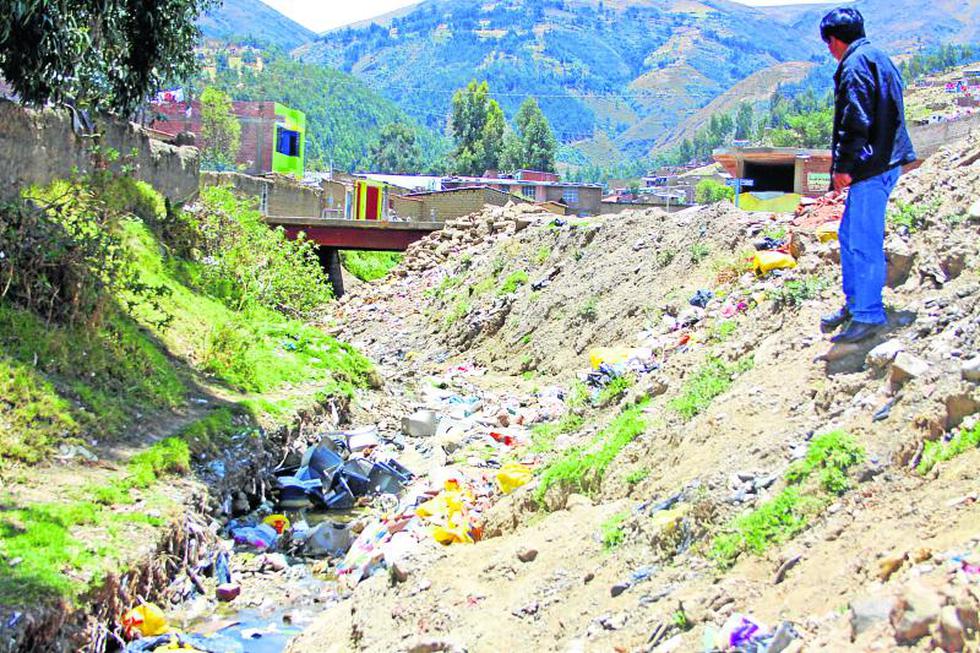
column 905, row 367
column 527, row 555
column 228, row 592
column 589, row 577
column 885, row 353
column 398, row 573
column 970, row 370
column 868, row 612
column 274, row 561
column 888, row 565
column 914, row 614
column 421, row 424
column 618, row 589
column 900, row 258
column 951, row 633
column 784, row 568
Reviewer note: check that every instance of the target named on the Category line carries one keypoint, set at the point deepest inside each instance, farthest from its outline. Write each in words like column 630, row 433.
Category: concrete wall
column 333, row 199
column 929, row 138
column 447, row 205
column 39, row 146
column 408, row 208
column 283, row 197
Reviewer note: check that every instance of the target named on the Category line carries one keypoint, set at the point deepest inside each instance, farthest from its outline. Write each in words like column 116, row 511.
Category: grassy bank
column 117, row 313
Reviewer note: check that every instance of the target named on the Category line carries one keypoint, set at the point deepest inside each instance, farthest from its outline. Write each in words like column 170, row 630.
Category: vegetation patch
column 369, row 266
column 913, row 217
column 793, row 293
column 615, row 390
column 581, row 469
column 811, row 485
column 935, row 452
column 513, row 281
column 543, row 435
column 699, row 252
column 612, row 531
column 637, row 476
column 712, row 379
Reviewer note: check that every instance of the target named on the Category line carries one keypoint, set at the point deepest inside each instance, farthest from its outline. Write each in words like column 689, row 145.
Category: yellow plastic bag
column 610, row 355
column 827, row 232
column 769, row 260
column 442, row 506
column 278, row 522
column 452, row 533
column 512, row 476
column 146, row 618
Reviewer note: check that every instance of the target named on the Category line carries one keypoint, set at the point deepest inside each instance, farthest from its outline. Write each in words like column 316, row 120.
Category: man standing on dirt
column 870, row 146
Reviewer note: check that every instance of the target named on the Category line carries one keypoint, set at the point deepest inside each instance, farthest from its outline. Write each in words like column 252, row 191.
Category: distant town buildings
column 272, row 139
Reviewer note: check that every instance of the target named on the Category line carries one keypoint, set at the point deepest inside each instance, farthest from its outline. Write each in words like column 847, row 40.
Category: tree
column 533, row 145
column 743, row 121
column 101, row 54
column 709, row 191
column 478, row 126
column 220, row 130
column 685, row 152
column 397, row 150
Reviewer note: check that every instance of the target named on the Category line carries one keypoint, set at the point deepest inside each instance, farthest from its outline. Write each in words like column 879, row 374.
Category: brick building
column 272, row 139
column 804, row 172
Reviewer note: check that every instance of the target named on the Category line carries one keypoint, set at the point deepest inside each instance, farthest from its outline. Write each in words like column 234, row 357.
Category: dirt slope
column 888, row 556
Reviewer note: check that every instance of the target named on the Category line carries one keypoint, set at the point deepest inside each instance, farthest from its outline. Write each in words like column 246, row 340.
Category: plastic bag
column 512, row 476
column 827, row 232
column 766, row 261
column 147, row 619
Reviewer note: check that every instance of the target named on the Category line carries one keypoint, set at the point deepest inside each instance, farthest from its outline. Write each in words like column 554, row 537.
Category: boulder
column 900, row 258
column 885, row 353
column 970, row 370
column 906, row 367
column 868, row 612
column 914, row 614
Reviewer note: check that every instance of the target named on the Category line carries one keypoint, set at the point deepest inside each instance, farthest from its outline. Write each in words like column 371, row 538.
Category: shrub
column 369, row 266
column 513, row 281
column 709, row 191
column 247, row 263
column 935, row 452
column 830, row 455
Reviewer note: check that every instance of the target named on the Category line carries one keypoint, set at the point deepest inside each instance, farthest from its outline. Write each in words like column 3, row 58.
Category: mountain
column 627, row 72
column 343, row 116
column 899, row 26
column 256, row 21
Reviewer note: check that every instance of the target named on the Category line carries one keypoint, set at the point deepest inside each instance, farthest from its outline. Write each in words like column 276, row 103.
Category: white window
column 528, row 192
column 569, row 196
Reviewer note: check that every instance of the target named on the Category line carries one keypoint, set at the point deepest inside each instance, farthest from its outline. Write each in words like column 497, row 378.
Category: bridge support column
column 330, row 261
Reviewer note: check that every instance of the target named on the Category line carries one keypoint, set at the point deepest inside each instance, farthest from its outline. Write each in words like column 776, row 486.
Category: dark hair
column 845, row 23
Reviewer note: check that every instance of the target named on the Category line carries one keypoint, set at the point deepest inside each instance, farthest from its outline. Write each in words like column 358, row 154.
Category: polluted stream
column 356, row 502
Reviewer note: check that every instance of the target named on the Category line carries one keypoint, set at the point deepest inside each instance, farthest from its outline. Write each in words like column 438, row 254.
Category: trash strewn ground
column 627, row 433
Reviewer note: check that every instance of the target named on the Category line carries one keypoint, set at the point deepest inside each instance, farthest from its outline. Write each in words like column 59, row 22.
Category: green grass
column 711, row 380
column 829, row 455
column 513, row 281
column 913, row 217
column 723, row 330
column 581, row 469
column 615, row 390
column 935, row 452
column 699, row 252
column 543, row 436
column 793, row 293
column 811, row 485
column 637, row 476
column 590, row 309
column 612, row 531
column 459, row 310
column 542, row 255
column 773, row 522
column 445, row 286
column 369, row 266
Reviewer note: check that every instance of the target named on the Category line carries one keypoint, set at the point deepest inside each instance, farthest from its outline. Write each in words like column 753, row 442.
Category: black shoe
column 856, row 332
column 830, row 322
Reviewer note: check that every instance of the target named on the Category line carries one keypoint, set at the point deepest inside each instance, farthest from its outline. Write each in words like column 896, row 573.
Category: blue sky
column 321, row 15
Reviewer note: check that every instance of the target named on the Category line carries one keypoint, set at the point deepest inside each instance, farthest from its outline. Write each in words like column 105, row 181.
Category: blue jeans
column 862, row 246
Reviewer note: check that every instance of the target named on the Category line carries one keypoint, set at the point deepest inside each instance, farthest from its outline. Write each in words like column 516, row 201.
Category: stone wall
column 927, row 139
column 446, row 205
column 39, row 146
column 278, row 196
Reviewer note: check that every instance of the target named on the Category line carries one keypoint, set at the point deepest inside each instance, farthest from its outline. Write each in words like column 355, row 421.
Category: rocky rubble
column 888, row 561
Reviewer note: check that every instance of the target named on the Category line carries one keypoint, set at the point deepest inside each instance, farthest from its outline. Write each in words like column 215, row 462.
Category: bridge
column 334, row 234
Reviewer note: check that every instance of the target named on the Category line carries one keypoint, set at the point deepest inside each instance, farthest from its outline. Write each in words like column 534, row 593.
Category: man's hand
column 841, row 181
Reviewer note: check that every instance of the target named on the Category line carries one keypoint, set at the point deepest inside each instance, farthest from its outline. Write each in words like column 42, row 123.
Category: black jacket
column 869, row 114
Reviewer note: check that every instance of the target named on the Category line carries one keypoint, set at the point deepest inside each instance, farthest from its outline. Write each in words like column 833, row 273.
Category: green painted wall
column 296, row 121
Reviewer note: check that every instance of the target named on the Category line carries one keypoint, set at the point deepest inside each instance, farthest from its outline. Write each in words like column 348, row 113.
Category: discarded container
column 260, row 537
column 329, row 538
column 701, row 298
column 766, row 261
column 146, row 619
column 828, row 231
column 512, row 476
column 421, row 424
column 363, row 438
